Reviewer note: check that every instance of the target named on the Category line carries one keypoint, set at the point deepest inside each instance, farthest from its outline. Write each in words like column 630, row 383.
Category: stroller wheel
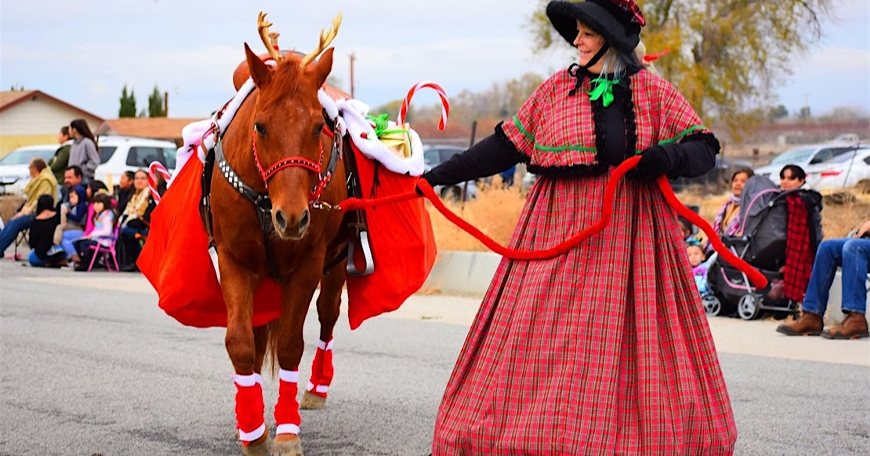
column 711, row 304
column 747, row 308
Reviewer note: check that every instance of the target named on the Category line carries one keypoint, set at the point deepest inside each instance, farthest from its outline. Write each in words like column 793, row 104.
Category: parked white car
column 847, row 170
column 14, row 172
column 127, row 153
column 436, row 154
column 804, row 157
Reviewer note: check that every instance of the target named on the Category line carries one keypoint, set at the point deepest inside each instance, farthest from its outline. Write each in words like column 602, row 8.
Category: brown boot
column 808, row 324
column 854, row 326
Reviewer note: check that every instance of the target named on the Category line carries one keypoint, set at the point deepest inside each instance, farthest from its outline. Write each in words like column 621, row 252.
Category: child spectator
column 699, row 267
column 45, row 253
column 103, row 232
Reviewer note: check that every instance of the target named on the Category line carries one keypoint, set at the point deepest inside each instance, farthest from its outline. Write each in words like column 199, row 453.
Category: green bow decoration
column 604, row 90
column 381, row 124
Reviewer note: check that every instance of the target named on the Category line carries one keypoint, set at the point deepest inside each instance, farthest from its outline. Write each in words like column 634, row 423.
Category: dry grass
column 496, row 211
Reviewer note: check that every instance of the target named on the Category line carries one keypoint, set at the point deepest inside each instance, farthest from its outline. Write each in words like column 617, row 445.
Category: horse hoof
column 291, row 447
column 311, row 401
column 263, row 448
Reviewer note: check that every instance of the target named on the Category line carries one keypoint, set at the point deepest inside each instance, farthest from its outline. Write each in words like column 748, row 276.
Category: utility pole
column 166, row 104
column 352, row 84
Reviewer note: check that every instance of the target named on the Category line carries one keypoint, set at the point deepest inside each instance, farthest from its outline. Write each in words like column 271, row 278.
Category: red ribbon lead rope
column 757, row 278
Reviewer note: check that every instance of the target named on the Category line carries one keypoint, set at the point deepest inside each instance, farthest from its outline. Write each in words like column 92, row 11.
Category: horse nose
column 280, row 221
column 289, row 226
column 304, row 221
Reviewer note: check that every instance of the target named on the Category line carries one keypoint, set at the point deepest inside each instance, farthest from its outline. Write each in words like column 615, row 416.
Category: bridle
column 323, row 176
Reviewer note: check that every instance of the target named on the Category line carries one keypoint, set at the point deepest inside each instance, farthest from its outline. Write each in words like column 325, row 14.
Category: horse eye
column 319, row 130
column 260, row 129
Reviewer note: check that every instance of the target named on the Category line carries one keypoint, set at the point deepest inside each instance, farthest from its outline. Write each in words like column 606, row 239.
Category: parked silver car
column 434, row 155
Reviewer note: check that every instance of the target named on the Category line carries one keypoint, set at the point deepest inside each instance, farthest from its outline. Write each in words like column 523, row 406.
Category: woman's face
column 737, row 183
column 788, row 181
column 140, row 181
column 88, row 193
column 588, row 43
column 73, row 133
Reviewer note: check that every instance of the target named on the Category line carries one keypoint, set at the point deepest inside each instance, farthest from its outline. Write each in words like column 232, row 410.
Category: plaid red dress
column 606, row 349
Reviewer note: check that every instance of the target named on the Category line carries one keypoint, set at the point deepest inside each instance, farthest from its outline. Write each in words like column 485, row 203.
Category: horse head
column 286, row 127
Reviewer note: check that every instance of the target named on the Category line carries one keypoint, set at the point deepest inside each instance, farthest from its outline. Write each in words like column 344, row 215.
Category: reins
column 757, row 278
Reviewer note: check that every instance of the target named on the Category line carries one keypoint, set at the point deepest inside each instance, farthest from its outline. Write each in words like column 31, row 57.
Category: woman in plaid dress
column 605, row 349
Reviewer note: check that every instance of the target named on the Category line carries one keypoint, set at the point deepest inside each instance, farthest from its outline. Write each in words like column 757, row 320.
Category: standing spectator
column 125, row 191
column 45, row 253
column 60, row 161
column 853, row 256
column 605, row 349
column 42, row 182
column 84, row 152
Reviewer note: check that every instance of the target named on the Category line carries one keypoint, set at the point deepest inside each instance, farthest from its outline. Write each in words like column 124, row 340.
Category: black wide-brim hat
column 618, row 27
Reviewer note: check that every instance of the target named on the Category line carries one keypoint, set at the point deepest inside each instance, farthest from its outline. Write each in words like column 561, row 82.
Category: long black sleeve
column 692, row 157
column 492, row 155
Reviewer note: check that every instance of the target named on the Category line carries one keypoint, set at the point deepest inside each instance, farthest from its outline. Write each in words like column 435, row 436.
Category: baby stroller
column 764, row 228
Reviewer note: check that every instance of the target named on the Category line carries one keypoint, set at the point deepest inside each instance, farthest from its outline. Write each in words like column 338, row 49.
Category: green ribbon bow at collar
column 603, row 89
column 381, row 124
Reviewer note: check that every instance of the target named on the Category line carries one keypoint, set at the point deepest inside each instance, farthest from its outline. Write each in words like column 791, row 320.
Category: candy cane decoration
column 445, row 105
column 153, row 169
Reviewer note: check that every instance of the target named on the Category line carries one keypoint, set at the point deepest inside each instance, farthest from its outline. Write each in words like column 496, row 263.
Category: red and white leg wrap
column 249, row 407
column 287, row 417
column 321, row 370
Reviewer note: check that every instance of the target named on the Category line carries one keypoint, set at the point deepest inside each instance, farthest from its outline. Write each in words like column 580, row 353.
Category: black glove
column 653, row 163
column 428, row 178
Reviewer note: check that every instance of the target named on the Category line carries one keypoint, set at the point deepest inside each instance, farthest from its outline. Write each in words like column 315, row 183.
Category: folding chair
column 22, row 238
column 107, row 251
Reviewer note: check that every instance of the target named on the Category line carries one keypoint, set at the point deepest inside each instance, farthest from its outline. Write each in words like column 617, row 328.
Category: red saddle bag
column 175, row 260
column 402, row 244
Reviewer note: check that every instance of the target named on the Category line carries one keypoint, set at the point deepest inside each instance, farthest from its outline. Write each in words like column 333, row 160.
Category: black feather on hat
column 618, row 21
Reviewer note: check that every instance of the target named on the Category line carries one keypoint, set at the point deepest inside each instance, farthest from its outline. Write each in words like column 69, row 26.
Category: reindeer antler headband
column 326, row 38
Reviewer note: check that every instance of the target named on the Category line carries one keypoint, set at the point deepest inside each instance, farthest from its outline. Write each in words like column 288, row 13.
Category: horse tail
column 270, row 360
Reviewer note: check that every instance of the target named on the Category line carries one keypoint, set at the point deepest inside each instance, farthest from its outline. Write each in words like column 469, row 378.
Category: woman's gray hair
column 616, row 62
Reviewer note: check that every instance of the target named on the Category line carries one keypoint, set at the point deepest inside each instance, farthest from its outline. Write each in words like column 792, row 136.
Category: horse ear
column 324, row 66
column 260, row 72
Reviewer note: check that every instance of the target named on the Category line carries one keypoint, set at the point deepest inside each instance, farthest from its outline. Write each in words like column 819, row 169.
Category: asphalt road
column 92, row 366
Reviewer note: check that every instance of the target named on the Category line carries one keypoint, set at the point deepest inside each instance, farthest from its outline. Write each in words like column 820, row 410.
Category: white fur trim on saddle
column 361, row 132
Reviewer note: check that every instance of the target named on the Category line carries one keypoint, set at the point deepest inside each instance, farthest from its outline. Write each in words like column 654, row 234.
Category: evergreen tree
column 155, row 104
column 128, row 103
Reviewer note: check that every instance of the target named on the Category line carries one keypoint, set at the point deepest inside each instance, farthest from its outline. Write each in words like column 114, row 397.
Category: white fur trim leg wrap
column 248, row 380
column 288, row 376
column 253, row 435
column 287, row 429
column 325, row 345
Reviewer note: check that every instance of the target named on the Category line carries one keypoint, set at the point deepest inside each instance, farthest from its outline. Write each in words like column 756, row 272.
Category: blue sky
column 84, row 52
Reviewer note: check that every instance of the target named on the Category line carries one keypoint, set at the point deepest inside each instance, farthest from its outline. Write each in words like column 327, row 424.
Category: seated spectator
column 76, row 221
column 42, row 182
column 727, row 221
column 697, row 259
column 792, row 177
column 125, row 191
column 853, row 256
column 135, row 222
column 45, row 253
column 72, row 178
column 103, row 232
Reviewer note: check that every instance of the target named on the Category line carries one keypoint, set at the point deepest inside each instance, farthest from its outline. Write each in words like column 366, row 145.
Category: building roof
column 146, row 127
column 8, row 99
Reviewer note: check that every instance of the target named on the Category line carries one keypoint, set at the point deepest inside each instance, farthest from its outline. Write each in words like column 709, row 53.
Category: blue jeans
column 67, row 244
column 11, row 230
column 853, row 255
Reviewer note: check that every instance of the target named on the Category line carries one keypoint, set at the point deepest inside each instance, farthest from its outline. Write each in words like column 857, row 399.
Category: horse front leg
column 289, row 343
column 328, row 310
column 238, row 288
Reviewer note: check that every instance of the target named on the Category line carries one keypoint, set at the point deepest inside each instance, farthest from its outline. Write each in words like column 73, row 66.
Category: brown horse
column 276, row 147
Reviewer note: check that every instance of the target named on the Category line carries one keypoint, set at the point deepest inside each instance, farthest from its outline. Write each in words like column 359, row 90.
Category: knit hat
column 618, row 21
